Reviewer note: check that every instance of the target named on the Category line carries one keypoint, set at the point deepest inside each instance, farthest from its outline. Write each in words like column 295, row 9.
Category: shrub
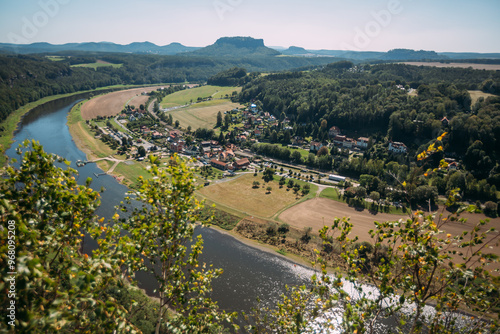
column 490, row 209
column 284, row 228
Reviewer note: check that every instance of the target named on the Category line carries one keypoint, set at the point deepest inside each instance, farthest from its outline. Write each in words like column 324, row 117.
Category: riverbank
column 10, row 124
column 126, row 172
column 95, row 149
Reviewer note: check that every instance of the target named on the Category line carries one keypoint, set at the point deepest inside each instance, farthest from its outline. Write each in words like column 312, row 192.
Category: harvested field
column 136, row 101
column 490, row 67
column 111, row 104
column 202, row 115
column 240, row 195
column 318, row 212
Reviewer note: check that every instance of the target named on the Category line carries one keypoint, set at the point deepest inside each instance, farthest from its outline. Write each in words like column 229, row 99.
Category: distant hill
column 236, row 47
column 136, row 47
column 406, row 54
column 244, row 47
column 396, row 54
column 295, row 50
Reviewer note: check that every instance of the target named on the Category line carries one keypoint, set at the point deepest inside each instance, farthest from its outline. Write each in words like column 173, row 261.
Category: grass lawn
column 239, row 195
column 55, row 58
column 334, row 194
column 476, row 94
column 98, row 64
column 303, row 153
column 202, row 115
column 131, row 173
column 191, row 95
column 331, row 193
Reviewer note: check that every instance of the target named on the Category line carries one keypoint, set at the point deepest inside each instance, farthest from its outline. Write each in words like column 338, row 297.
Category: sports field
column 202, row 115
column 188, row 96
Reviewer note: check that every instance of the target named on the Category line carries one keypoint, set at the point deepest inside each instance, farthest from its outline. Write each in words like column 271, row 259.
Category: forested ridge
column 392, row 102
column 24, row 79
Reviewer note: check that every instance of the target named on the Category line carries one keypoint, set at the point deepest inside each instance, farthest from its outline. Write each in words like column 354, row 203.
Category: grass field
column 202, row 115
column 55, row 58
column 239, row 195
column 98, row 63
column 303, row 153
column 330, row 193
column 476, row 94
column 187, row 96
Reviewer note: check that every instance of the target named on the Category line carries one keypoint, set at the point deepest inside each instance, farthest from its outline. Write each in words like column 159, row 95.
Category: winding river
column 249, row 273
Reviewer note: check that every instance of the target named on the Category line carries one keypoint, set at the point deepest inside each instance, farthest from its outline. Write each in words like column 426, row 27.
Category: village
column 139, row 132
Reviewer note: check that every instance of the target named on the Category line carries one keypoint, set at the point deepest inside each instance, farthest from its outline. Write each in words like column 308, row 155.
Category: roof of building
column 242, row 162
column 217, row 162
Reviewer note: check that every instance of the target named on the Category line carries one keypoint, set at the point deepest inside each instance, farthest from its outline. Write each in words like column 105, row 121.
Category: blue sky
column 367, row 25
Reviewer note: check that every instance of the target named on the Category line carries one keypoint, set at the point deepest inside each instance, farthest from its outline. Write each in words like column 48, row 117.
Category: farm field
column 476, row 94
column 111, row 104
column 202, row 115
column 136, row 101
column 490, row 67
column 319, row 212
column 238, row 194
column 187, row 96
column 98, row 63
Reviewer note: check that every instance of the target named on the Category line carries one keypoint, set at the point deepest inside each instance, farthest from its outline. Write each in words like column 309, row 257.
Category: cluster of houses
column 361, row 143
column 342, row 141
column 132, row 114
column 209, row 152
column 255, row 122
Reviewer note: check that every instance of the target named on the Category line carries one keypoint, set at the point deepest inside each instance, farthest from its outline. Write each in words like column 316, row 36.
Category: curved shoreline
column 296, row 259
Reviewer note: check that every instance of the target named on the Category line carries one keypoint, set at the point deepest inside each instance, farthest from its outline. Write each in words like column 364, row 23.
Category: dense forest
column 390, row 102
column 24, row 79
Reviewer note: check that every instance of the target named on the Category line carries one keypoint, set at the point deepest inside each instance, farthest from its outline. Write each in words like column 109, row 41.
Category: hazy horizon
column 379, row 25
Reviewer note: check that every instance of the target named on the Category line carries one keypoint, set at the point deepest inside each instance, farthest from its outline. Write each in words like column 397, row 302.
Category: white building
column 397, row 147
column 362, row 142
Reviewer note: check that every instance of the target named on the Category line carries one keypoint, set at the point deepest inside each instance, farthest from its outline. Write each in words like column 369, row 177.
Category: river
column 249, row 273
